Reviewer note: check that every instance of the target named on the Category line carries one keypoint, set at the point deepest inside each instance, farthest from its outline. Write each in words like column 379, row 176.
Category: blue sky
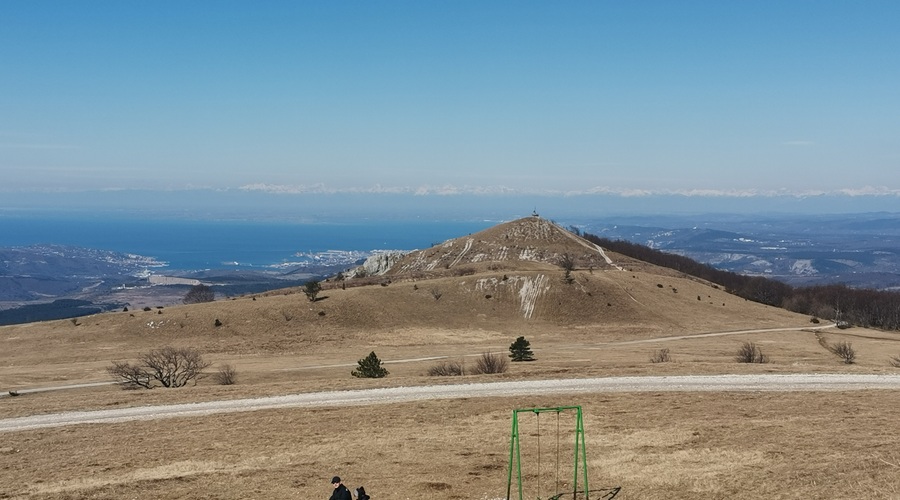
column 712, row 99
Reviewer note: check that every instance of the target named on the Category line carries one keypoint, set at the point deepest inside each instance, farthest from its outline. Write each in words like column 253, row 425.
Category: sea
column 186, row 244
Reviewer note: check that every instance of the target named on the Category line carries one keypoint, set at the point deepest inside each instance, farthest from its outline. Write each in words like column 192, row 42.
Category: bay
column 186, row 244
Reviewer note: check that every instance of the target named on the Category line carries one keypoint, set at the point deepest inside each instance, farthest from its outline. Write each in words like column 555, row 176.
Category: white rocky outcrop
column 377, row 264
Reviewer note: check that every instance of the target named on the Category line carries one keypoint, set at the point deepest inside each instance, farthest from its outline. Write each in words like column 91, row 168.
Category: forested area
column 859, row 307
column 58, row 309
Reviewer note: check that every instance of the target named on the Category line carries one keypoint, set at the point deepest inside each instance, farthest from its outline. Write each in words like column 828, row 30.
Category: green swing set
column 579, row 471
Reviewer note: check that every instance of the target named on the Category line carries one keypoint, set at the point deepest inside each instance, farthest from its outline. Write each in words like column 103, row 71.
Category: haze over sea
column 190, row 244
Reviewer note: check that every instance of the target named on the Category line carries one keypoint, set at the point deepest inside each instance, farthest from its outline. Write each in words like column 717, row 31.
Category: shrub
column 490, row 363
column 370, row 367
column 520, row 350
column 437, row 294
column 446, row 369
column 168, row 366
column 661, row 356
column 226, row 375
column 845, row 351
column 750, row 353
column 198, row 294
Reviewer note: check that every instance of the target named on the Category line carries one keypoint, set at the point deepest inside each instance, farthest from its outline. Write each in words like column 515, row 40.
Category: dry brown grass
column 656, row 446
column 668, row 445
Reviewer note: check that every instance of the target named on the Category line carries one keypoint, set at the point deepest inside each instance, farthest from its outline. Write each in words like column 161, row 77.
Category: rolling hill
column 474, row 292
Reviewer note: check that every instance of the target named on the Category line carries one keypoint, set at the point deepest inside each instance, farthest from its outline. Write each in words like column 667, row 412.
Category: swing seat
column 598, row 494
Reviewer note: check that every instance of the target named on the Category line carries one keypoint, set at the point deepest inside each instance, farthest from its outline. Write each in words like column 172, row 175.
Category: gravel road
column 689, row 383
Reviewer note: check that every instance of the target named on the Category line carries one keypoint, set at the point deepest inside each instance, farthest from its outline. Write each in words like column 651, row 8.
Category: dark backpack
column 361, row 494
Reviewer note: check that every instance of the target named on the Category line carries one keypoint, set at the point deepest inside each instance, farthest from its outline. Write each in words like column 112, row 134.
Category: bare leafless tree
column 490, row 363
column 168, row 366
column 198, row 294
column 446, row 369
column 845, row 351
column 226, row 375
column 130, row 376
column 750, row 353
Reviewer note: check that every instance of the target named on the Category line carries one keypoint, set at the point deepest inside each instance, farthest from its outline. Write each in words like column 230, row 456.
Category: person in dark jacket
column 340, row 491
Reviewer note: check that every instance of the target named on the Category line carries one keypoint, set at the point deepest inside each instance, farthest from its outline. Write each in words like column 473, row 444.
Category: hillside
column 469, row 294
column 519, row 244
column 452, row 303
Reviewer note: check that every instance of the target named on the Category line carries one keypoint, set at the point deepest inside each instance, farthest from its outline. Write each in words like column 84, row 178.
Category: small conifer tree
column 520, row 350
column 370, row 367
column 312, row 289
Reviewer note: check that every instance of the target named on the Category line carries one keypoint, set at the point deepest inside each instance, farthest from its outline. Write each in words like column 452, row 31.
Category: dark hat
column 335, row 479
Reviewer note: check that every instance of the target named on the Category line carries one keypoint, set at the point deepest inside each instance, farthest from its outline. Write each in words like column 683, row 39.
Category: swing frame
column 515, row 458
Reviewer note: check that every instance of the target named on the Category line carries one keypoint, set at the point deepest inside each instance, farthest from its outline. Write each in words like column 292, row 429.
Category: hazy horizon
column 313, row 207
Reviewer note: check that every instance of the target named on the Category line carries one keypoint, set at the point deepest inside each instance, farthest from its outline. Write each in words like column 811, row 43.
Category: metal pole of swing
column 514, row 450
column 580, row 432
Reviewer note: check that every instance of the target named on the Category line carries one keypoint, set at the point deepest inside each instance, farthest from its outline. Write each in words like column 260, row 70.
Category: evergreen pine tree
column 520, row 350
column 370, row 367
column 312, row 289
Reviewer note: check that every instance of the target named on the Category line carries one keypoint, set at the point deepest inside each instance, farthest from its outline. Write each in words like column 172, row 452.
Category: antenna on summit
column 534, row 213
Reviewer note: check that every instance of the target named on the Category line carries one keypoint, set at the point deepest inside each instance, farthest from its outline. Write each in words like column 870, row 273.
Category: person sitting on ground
column 340, row 491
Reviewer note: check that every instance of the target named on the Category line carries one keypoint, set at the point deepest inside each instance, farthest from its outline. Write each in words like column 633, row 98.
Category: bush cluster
column 750, row 353
column 490, row 363
column 661, row 356
column 447, row 369
column 845, row 351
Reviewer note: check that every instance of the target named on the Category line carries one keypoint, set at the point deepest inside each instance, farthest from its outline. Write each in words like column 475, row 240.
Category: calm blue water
column 196, row 244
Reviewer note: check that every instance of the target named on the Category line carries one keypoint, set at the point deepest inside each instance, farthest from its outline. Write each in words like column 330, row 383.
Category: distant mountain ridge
column 860, row 250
